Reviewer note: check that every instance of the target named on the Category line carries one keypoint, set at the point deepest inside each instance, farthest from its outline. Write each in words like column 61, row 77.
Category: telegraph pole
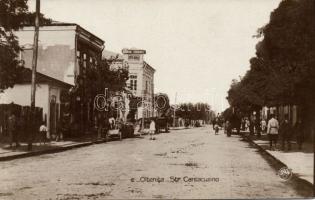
column 34, row 66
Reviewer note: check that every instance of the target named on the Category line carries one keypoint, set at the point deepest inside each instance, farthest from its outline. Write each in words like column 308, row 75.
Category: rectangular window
column 135, row 85
column 84, row 60
column 131, row 84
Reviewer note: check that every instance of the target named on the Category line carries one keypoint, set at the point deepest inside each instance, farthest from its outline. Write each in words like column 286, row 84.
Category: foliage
column 10, row 20
column 13, row 15
column 162, row 104
column 197, row 111
column 113, row 79
column 283, row 70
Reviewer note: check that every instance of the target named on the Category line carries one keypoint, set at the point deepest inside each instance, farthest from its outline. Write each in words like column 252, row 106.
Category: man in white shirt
column 263, row 125
column 273, row 131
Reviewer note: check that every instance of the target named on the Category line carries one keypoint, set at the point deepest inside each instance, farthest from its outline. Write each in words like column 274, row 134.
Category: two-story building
column 65, row 52
column 141, row 80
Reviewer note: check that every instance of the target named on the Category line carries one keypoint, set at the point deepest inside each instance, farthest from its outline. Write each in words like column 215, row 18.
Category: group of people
column 283, row 131
column 286, row 132
column 14, row 127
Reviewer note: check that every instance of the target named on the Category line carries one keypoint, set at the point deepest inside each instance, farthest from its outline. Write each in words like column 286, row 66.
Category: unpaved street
column 141, row 168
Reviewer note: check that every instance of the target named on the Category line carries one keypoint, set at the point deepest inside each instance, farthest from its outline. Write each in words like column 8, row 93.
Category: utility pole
column 174, row 116
column 143, row 109
column 34, row 66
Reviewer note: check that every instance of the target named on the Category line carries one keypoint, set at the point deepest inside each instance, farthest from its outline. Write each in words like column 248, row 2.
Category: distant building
column 141, row 80
column 65, row 52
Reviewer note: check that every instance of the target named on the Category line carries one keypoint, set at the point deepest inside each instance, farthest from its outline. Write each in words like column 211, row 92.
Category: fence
column 22, row 114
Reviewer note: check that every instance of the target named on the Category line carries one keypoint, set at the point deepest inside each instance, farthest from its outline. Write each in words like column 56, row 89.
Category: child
column 152, row 129
column 42, row 133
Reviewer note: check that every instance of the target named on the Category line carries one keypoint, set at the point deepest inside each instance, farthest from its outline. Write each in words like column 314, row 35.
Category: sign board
column 133, row 51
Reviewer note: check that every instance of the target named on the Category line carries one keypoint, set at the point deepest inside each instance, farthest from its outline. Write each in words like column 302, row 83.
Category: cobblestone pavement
column 141, row 168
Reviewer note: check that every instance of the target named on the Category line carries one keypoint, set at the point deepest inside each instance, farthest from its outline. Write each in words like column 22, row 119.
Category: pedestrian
column 285, row 131
column 273, row 131
column 216, row 126
column 106, row 128
column 299, row 133
column 152, row 129
column 60, row 130
column 12, row 129
column 252, row 124
column 228, row 128
column 247, row 124
column 243, row 124
column 263, row 125
column 99, row 125
column 225, row 125
column 111, row 121
column 42, row 133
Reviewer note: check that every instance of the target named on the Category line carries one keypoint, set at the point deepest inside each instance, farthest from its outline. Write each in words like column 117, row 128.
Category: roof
column 26, row 77
column 56, row 23
column 147, row 65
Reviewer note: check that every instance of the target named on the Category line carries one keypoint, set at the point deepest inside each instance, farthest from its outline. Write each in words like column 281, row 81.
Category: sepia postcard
column 157, row 99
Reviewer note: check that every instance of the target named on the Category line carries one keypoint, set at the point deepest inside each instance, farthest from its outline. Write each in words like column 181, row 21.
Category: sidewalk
column 6, row 153
column 300, row 161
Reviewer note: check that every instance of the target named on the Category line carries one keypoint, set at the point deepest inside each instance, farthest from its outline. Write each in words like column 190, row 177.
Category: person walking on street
column 228, row 128
column 42, row 133
column 299, row 133
column 263, row 125
column 12, row 129
column 60, row 130
column 106, row 128
column 216, row 126
column 252, row 124
column 286, row 133
column 152, row 129
column 273, row 131
column 247, row 124
column 99, row 125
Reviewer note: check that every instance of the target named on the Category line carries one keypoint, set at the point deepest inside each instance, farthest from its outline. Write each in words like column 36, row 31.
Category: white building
column 141, row 80
column 141, row 76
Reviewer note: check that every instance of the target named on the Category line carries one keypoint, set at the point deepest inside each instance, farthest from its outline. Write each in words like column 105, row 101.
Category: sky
column 196, row 46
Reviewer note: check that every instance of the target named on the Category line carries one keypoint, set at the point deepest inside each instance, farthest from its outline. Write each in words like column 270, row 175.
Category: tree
column 283, row 70
column 162, row 104
column 288, row 49
column 197, row 111
column 13, row 15
column 11, row 18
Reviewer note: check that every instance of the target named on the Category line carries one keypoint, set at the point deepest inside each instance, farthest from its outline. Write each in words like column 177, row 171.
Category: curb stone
column 50, row 151
column 247, row 138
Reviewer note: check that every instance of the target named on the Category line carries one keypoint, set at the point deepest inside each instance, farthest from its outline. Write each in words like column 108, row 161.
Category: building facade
column 66, row 52
column 141, row 80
